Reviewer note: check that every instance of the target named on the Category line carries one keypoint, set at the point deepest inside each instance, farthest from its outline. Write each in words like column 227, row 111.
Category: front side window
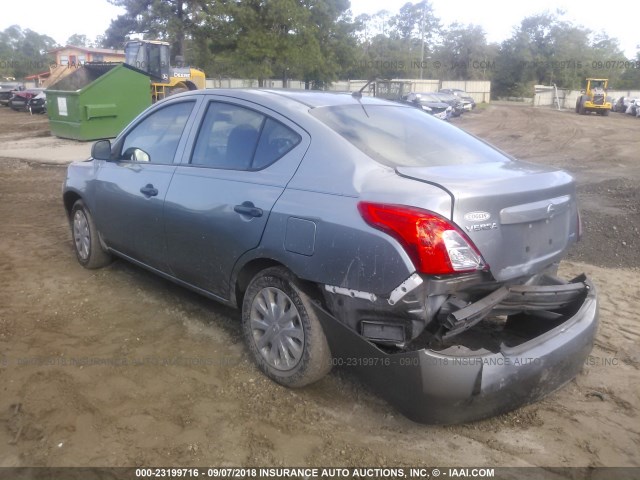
column 237, row 138
column 155, row 139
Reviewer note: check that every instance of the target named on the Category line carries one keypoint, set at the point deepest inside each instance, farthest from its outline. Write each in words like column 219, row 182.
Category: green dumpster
column 97, row 100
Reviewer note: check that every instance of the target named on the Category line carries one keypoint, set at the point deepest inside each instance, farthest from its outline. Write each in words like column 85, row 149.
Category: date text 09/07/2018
column 313, row 472
column 578, row 64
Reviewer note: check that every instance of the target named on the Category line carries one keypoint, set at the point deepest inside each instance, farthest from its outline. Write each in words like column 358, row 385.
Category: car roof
column 315, row 98
column 308, row 98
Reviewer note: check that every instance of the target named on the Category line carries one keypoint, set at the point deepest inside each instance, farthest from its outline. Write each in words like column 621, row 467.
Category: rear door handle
column 149, row 190
column 248, row 208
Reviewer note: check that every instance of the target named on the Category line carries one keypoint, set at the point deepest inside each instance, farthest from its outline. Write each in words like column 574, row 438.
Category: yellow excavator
column 594, row 98
column 153, row 57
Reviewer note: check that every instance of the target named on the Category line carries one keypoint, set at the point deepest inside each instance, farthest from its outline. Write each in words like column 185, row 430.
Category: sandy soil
column 117, row 367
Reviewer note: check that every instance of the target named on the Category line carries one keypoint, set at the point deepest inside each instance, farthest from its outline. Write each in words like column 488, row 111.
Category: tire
column 175, row 91
column 86, row 241
column 277, row 319
column 581, row 109
column 605, row 113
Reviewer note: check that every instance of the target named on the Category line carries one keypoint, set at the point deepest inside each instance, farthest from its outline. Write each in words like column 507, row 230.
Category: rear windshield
column 400, row 136
column 425, row 97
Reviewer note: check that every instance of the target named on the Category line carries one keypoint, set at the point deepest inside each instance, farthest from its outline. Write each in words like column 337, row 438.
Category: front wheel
column 283, row 334
column 88, row 250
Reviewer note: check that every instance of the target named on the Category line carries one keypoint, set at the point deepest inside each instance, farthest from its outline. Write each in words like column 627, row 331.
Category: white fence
column 479, row 90
column 249, row 83
column 347, row 85
column 568, row 98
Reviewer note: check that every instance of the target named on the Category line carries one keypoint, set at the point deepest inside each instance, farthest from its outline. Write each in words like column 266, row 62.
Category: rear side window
column 405, row 136
column 276, row 140
column 237, row 138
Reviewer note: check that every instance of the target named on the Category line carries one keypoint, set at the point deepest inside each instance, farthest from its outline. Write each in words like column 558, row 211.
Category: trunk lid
column 521, row 216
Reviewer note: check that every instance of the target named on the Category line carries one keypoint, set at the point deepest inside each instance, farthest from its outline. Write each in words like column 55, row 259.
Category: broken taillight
column 436, row 246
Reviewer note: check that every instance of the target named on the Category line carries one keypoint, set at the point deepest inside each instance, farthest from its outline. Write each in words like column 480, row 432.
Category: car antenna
column 358, row 94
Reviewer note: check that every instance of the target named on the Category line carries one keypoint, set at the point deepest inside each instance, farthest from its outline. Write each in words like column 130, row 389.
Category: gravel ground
column 118, row 367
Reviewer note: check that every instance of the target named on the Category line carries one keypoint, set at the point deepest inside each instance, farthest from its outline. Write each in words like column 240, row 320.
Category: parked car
column 467, row 100
column 20, row 100
column 350, row 231
column 622, row 103
column 430, row 104
column 38, row 104
column 632, row 106
column 456, row 104
column 7, row 90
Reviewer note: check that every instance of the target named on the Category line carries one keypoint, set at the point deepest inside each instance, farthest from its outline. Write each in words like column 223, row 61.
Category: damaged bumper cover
column 516, row 298
column 461, row 385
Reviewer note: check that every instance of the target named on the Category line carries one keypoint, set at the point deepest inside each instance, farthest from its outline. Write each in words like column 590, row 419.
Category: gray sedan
column 351, row 232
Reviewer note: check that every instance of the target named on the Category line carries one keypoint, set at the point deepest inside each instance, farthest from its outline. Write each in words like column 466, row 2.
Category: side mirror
column 101, row 150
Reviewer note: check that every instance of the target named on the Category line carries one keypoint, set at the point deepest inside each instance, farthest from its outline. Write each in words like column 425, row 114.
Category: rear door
column 130, row 190
column 237, row 166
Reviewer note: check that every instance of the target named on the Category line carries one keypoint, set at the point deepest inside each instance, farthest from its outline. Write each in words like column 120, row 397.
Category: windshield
column 425, row 97
column 404, row 136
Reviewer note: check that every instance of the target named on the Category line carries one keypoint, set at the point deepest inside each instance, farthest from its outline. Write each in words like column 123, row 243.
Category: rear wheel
column 283, row 334
column 88, row 250
column 177, row 90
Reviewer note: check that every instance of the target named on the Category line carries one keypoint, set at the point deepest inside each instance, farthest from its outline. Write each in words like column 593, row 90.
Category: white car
column 632, row 108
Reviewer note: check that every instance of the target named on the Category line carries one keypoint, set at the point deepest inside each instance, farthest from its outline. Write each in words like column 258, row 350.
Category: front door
column 130, row 190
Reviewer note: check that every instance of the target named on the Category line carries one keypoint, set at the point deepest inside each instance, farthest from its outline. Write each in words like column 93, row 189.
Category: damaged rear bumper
column 460, row 385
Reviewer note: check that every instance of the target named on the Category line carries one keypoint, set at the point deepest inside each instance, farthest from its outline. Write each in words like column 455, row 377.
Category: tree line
column 319, row 41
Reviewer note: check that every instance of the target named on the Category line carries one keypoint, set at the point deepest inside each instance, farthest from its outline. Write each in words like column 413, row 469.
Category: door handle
column 149, row 190
column 248, row 208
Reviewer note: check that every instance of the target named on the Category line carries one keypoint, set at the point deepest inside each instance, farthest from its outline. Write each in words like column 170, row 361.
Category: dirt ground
column 117, row 367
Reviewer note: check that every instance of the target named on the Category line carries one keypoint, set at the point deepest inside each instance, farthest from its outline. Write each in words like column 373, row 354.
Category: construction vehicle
column 594, row 98
column 153, row 57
